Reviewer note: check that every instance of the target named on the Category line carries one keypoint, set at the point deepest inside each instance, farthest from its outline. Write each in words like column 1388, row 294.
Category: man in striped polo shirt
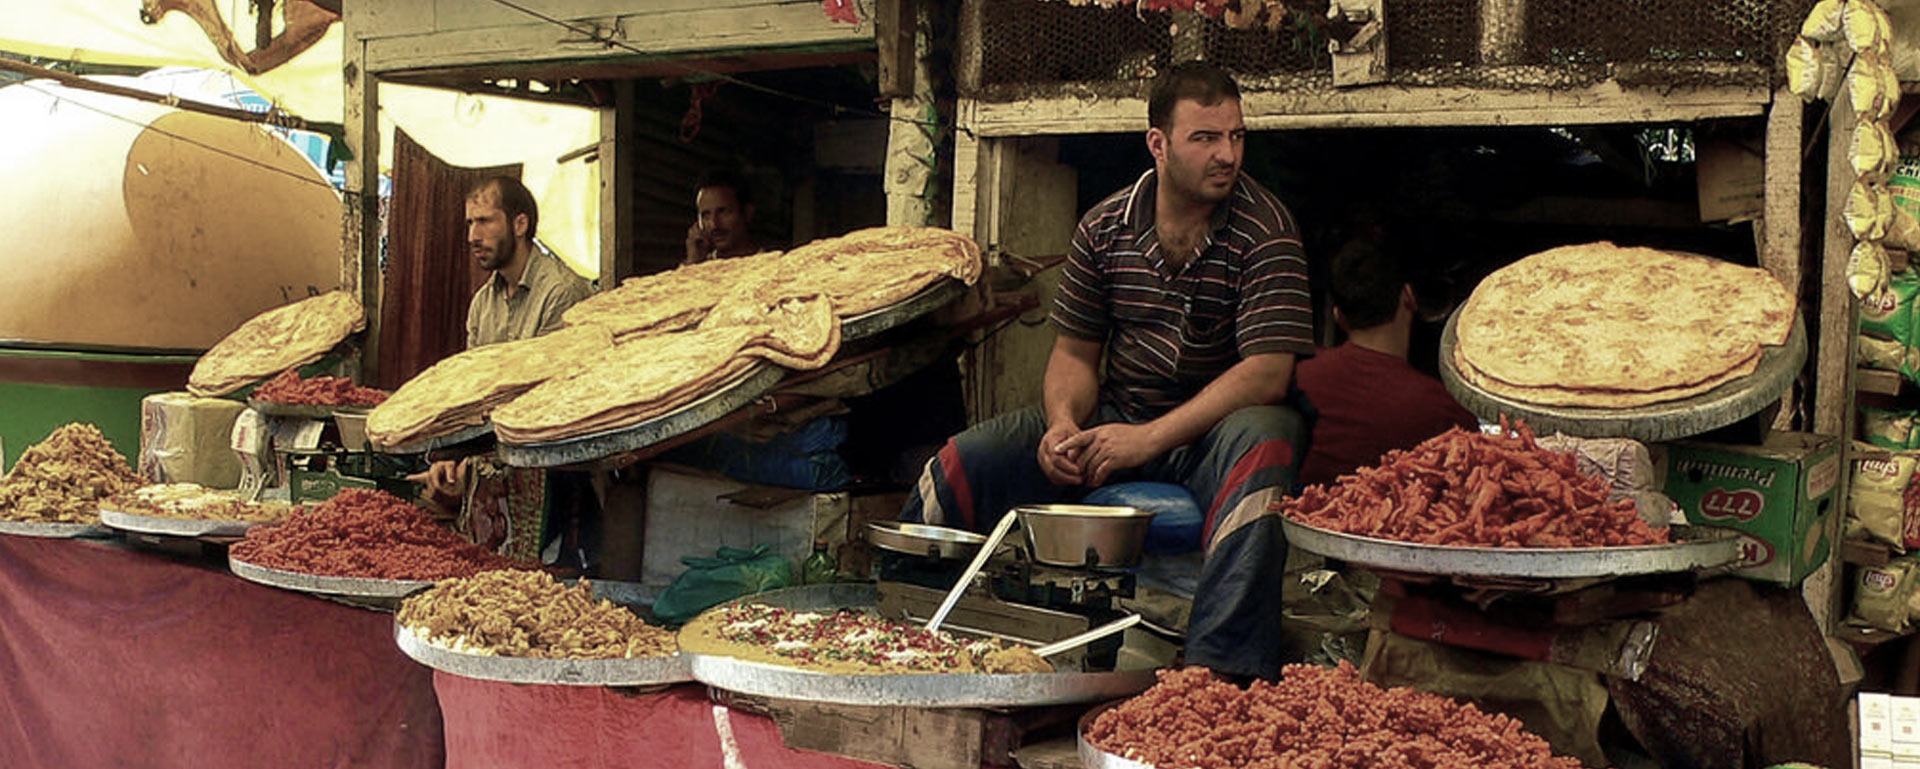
column 1191, row 283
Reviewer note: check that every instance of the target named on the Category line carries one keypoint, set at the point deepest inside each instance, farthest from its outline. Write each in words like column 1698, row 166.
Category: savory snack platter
column 931, row 298
column 635, row 671
column 1718, row 407
column 351, row 587
column 1694, row 548
column 767, row 679
column 52, row 530
column 173, row 527
column 758, row 380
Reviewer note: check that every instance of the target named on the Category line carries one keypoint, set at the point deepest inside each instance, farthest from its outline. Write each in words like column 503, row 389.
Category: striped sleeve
column 1276, row 310
column 1080, row 303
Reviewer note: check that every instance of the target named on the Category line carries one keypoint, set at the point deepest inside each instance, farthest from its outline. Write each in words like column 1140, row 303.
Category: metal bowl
column 1085, row 535
column 353, row 428
column 921, row 539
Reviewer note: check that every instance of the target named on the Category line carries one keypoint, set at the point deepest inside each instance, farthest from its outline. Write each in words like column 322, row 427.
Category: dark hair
column 1366, row 284
column 515, row 200
column 1194, row 80
column 721, row 177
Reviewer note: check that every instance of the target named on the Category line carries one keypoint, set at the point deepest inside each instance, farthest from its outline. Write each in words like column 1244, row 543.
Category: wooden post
column 1833, row 373
column 360, row 238
column 617, row 173
column 1779, row 222
column 912, row 134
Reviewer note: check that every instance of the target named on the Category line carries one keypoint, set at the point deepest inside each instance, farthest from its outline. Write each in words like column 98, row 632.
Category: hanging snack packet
column 1870, row 206
column 1874, row 150
column 1868, row 275
column 1866, row 89
column 1868, row 28
column 1882, row 354
column 1825, row 22
column 1881, row 594
column 1878, row 504
column 1887, row 428
column 1889, row 314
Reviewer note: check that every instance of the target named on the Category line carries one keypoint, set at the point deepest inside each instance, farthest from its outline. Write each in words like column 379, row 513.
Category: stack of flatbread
column 1599, row 325
column 282, row 338
column 861, row 272
column 654, row 375
column 461, row 391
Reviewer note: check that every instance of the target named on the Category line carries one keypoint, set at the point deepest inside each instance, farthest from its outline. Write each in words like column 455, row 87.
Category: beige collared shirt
column 529, row 308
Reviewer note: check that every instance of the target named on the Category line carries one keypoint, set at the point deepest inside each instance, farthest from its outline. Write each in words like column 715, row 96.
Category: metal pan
column 175, row 527
column 53, row 530
column 943, row 292
column 351, row 587
column 638, row 671
column 425, row 445
column 693, row 416
column 937, row 690
column 920, row 539
column 1695, row 548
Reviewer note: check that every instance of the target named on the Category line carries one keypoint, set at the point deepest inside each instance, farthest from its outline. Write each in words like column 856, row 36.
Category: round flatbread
column 1603, row 317
column 285, row 337
column 1609, row 399
column 462, row 390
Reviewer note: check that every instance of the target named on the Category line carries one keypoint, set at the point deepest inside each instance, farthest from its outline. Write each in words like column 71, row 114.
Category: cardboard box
column 688, row 513
column 184, row 439
column 1732, row 179
column 1778, row 495
column 1876, row 723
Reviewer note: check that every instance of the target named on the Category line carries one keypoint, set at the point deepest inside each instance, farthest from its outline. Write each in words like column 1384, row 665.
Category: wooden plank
column 1779, row 224
column 1862, row 553
column 1868, row 380
column 895, row 24
column 360, row 224
column 669, row 33
column 1385, row 106
column 1832, row 391
column 1503, row 31
column 619, row 160
column 393, row 18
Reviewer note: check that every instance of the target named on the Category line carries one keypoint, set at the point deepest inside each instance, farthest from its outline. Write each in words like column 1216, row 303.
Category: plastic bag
column 1880, row 596
column 730, row 574
column 1878, row 503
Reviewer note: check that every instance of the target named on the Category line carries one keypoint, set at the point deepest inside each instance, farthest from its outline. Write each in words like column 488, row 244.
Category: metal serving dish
column 920, row 539
column 353, row 428
column 1085, row 535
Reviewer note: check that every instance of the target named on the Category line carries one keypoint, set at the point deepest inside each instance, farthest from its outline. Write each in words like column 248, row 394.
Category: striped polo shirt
column 1170, row 333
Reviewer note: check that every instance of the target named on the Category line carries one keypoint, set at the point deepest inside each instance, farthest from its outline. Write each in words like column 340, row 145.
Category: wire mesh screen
column 1030, row 47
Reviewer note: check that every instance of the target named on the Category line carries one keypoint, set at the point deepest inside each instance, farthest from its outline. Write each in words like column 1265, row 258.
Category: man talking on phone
column 726, row 216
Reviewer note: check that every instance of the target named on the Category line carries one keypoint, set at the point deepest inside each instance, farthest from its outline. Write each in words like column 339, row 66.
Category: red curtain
column 429, row 279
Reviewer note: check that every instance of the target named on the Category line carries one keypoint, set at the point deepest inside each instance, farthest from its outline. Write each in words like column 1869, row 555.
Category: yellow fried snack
column 515, row 613
column 63, row 478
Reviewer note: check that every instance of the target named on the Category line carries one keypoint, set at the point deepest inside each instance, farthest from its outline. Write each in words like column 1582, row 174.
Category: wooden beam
column 471, row 77
column 787, row 25
column 1779, row 224
column 1385, row 106
column 618, row 159
column 360, row 238
column 1832, row 386
column 895, row 27
column 78, row 83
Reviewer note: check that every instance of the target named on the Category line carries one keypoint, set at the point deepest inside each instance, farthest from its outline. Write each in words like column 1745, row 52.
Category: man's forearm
column 1071, row 388
column 1257, row 381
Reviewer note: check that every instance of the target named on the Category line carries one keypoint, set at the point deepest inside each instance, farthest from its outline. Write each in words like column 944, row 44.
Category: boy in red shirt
column 1367, row 398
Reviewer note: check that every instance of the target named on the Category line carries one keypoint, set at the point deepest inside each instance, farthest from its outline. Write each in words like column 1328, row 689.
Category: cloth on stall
column 430, row 279
column 1740, row 677
column 491, row 725
column 806, row 457
column 1234, row 471
column 112, row 657
column 504, row 508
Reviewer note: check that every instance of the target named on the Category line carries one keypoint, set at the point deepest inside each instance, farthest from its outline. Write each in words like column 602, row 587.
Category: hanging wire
column 835, row 108
column 177, row 137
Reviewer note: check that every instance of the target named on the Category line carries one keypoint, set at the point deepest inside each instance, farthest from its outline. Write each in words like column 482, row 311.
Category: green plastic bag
column 709, row 582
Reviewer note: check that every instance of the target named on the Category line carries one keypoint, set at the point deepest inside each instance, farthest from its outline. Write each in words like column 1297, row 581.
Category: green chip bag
column 1880, row 595
column 1889, row 314
column 1887, row 428
column 1878, row 504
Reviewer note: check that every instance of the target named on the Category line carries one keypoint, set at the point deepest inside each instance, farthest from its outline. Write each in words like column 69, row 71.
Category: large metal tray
column 587, row 448
column 53, row 530
column 351, row 587
column 174, row 527
column 931, row 298
column 1091, row 756
column 289, row 410
column 454, row 438
column 1672, row 420
column 640, row 671
column 934, row 690
column 1697, row 548
column 920, row 539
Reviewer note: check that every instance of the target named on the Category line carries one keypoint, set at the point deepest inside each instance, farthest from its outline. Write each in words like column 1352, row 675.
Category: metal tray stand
column 1695, row 548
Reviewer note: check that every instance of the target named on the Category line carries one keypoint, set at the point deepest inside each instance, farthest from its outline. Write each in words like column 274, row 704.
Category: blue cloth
column 805, row 458
column 1177, row 519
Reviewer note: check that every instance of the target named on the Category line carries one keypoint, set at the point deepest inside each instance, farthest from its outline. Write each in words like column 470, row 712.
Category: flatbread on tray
column 1613, row 399
column 1600, row 321
column 641, row 376
column 286, row 337
column 462, row 390
column 674, row 300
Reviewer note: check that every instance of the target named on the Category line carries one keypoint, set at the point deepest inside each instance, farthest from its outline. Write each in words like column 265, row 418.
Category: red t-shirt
column 1369, row 402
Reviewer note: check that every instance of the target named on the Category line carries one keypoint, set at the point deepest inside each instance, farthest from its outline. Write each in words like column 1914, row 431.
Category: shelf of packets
column 1883, row 518
column 1889, row 341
